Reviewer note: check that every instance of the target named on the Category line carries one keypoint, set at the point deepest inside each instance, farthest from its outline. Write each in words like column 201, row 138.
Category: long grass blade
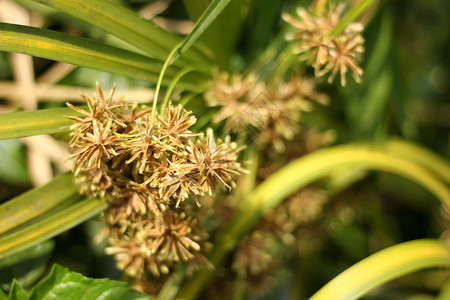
column 77, row 50
column 124, row 24
column 35, row 202
column 27, row 123
column 223, row 34
column 210, row 14
column 302, row 172
column 385, row 266
column 50, row 226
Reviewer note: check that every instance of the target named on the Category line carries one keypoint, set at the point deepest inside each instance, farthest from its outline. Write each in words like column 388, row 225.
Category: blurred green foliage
column 405, row 92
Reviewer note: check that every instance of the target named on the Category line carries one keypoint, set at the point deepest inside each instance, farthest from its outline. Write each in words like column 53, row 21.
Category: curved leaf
column 422, row 156
column 302, row 172
column 384, row 266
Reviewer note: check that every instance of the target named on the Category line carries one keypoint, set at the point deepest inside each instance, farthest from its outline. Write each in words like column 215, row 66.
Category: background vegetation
column 404, row 94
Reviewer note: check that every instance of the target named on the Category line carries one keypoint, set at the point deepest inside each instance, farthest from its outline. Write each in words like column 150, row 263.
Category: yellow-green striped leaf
column 77, row 50
column 27, row 123
column 385, row 266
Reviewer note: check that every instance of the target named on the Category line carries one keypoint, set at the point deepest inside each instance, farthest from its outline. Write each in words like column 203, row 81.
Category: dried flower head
column 146, row 168
column 312, row 38
column 269, row 113
column 234, row 94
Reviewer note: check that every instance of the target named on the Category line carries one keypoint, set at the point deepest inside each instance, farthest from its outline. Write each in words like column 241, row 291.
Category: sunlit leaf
column 302, row 172
column 76, row 50
column 27, row 123
column 385, row 266
column 124, row 24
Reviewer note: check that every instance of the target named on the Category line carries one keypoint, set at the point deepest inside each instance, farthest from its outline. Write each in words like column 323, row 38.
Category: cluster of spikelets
column 270, row 112
column 312, row 37
column 147, row 165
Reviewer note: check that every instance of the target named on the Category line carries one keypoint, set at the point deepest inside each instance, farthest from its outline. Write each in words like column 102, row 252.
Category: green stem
column 161, row 76
column 357, row 10
column 172, row 87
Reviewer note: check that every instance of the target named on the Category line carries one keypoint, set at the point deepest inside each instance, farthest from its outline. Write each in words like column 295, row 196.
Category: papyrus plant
column 186, row 195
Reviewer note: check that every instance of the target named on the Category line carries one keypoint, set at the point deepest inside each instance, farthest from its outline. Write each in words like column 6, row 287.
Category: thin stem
column 161, row 76
column 357, row 10
column 172, row 87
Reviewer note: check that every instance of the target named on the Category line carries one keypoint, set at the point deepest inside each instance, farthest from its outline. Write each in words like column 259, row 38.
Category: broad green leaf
column 385, row 266
column 35, row 202
column 3, row 296
column 210, row 14
column 62, row 283
column 26, row 266
column 17, row 292
column 77, row 50
column 42, row 121
column 302, row 172
column 124, row 24
column 50, row 226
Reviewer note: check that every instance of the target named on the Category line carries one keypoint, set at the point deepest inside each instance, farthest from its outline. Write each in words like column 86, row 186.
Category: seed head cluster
column 271, row 111
column 148, row 166
column 311, row 37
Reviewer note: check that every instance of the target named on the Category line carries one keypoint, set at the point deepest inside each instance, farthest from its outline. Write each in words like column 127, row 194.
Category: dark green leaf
column 17, row 292
column 61, row 283
column 26, row 266
column 3, row 296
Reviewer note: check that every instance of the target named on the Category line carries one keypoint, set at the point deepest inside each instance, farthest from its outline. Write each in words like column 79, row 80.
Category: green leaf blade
column 303, row 171
column 124, row 24
column 211, row 13
column 37, row 201
column 28, row 123
column 61, row 283
column 385, row 266
column 17, row 292
column 46, row 228
column 77, row 50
